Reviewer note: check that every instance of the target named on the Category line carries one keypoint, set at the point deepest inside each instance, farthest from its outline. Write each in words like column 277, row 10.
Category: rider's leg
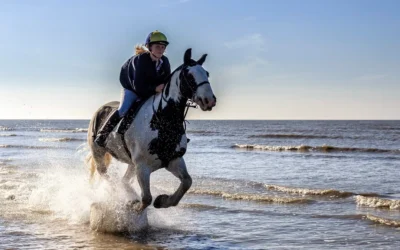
column 128, row 98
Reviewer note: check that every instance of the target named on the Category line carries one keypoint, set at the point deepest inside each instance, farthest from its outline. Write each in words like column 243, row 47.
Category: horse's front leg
column 177, row 168
column 143, row 175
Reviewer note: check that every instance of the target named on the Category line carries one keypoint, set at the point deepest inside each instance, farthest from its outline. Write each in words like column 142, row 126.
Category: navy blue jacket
column 141, row 76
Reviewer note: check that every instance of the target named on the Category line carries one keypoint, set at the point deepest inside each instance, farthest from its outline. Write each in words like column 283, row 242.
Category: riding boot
column 107, row 127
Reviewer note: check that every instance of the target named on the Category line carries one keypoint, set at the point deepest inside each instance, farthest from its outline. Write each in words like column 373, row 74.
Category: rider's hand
column 159, row 88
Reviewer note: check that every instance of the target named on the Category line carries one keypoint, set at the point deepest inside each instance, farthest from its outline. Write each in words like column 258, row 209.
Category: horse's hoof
column 160, row 201
column 135, row 205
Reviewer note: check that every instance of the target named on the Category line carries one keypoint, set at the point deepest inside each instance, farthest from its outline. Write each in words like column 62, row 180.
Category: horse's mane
column 192, row 63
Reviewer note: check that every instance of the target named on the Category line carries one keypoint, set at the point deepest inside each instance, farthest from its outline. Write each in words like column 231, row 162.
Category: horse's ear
column 187, row 56
column 202, row 59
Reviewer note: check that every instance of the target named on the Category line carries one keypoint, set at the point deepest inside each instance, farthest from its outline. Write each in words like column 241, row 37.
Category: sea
column 270, row 184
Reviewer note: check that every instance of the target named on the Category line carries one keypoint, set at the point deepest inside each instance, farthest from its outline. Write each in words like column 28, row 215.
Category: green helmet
column 156, row 37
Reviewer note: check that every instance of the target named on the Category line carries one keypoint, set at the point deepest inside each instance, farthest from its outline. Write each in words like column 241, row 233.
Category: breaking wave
column 376, row 202
column 3, row 128
column 64, row 139
column 76, row 130
column 306, row 148
column 306, row 191
column 383, row 221
column 250, row 197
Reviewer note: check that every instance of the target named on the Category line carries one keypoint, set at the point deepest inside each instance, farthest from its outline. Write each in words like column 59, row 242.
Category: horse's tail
column 92, row 164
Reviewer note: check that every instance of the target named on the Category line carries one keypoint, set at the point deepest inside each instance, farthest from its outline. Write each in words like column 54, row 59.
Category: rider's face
column 157, row 49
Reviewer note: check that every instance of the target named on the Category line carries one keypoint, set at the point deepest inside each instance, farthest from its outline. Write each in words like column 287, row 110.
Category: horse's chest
column 169, row 144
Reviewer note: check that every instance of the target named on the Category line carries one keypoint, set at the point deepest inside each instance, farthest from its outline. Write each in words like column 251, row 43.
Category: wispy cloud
column 254, row 41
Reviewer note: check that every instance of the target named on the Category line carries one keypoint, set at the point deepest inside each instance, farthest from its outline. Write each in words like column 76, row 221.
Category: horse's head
column 194, row 82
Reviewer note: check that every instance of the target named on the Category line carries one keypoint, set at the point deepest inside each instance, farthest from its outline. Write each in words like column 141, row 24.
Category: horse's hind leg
column 177, row 168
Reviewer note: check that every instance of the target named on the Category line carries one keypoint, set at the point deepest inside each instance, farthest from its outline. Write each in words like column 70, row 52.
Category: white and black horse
column 156, row 138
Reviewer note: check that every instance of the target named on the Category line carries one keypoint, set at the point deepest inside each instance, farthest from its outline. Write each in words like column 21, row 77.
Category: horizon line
column 229, row 119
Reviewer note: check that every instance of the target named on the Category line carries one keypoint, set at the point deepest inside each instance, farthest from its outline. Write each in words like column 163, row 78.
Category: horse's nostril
column 206, row 101
column 201, row 101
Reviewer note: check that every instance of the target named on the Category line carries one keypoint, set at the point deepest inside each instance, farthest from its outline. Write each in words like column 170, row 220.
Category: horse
column 156, row 138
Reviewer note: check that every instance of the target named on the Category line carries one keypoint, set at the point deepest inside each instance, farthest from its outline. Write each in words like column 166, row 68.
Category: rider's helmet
column 156, row 37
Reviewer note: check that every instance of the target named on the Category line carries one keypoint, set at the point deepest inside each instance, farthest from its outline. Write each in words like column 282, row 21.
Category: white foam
column 68, row 193
column 76, row 130
column 63, row 139
column 3, row 128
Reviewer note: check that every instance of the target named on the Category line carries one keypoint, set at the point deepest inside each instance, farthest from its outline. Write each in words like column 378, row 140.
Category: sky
column 333, row 59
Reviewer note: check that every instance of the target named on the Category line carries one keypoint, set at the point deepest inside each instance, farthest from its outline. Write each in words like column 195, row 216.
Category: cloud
column 254, row 41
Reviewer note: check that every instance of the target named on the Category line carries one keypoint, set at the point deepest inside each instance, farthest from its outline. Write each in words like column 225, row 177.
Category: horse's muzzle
column 206, row 104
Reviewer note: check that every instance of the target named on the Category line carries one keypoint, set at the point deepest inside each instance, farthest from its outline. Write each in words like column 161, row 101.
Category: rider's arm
column 126, row 74
column 166, row 68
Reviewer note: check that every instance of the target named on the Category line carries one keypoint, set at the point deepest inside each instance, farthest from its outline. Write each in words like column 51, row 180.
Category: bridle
column 192, row 87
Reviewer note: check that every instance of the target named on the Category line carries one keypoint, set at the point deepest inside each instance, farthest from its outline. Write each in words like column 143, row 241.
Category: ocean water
column 256, row 185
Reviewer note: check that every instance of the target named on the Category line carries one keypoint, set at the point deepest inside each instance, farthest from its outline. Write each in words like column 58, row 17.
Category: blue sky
column 267, row 59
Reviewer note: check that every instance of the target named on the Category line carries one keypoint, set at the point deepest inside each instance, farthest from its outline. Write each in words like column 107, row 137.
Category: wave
column 376, row 202
column 64, row 139
column 7, row 135
column 198, row 206
column 306, row 148
column 339, row 216
column 250, row 197
column 296, row 136
column 306, row 191
column 383, row 221
column 76, row 130
column 259, row 187
column 26, row 146
column 3, row 128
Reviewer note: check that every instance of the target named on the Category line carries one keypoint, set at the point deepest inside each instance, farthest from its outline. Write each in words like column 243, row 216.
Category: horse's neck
column 170, row 104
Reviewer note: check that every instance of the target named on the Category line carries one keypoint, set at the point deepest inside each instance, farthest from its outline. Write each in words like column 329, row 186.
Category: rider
column 142, row 75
